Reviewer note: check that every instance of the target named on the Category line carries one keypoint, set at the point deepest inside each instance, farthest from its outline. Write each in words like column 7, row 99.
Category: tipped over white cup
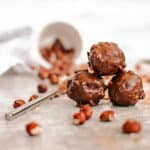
column 65, row 32
column 25, row 49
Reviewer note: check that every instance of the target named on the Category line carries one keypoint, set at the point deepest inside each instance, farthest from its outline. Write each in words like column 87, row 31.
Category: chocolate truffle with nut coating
column 86, row 88
column 106, row 58
column 126, row 89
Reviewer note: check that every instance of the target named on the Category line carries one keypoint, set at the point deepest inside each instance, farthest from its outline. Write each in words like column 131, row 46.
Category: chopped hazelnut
column 18, row 103
column 131, row 126
column 79, row 118
column 33, row 129
column 33, row 97
column 63, row 81
column 43, row 73
column 87, row 110
column 107, row 115
column 42, row 88
column 53, row 79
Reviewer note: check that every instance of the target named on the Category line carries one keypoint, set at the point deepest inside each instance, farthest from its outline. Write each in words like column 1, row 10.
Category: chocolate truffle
column 106, row 58
column 86, row 88
column 126, row 88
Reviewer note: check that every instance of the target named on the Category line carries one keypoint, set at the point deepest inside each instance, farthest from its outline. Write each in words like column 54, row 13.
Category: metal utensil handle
column 31, row 105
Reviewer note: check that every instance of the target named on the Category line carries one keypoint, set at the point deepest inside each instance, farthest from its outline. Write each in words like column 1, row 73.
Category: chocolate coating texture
column 106, row 58
column 86, row 88
column 126, row 88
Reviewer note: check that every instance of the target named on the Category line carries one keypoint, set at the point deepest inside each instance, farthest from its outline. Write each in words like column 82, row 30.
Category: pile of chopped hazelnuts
column 61, row 60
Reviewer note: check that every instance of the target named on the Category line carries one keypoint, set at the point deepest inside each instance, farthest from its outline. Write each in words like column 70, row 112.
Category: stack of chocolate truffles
column 125, row 87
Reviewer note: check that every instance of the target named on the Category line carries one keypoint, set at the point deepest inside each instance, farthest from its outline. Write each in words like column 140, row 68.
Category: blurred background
column 126, row 22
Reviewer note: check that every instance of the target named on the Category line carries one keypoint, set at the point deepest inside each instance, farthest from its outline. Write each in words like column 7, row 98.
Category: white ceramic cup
column 68, row 35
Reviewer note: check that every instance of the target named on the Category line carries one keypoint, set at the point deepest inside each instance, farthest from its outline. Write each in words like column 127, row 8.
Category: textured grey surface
column 56, row 119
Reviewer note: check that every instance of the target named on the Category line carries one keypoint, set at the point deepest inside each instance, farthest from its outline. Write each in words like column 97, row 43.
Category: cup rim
column 45, row 27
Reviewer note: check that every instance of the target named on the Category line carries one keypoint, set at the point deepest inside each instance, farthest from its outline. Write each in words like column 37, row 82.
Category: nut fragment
column 43, row 72
column 42, row 88
column 63, row 86
column 87, row 110
column 90, row 70
column 106, row 97
column 53, row 78
column 63, row 81
column 33, row 129
column 18, row 103
column 45, row 54
column 33, row 97
column 107, row 115
column 131, row 126
column 79, row 118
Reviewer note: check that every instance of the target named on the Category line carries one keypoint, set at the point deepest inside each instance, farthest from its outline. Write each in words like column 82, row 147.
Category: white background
column 126, row 22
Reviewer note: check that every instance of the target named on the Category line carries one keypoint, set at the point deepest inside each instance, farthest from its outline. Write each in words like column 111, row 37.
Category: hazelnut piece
column 107, row 115
column 87, row 110
column 33, row 129
column 53, row 78
column 42, row 88
column 33, row 97
column 43, row 73
column 18, row 103
column 79, row 118
column 63, row 81
column 131, row 126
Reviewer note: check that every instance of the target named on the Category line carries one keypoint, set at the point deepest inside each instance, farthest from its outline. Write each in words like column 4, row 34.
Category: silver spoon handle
column 31, row 105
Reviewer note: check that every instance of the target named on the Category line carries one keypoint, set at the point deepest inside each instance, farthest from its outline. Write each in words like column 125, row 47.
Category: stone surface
column 55, row 117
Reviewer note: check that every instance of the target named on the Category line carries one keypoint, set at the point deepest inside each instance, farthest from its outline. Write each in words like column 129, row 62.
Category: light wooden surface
column 55, row 118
